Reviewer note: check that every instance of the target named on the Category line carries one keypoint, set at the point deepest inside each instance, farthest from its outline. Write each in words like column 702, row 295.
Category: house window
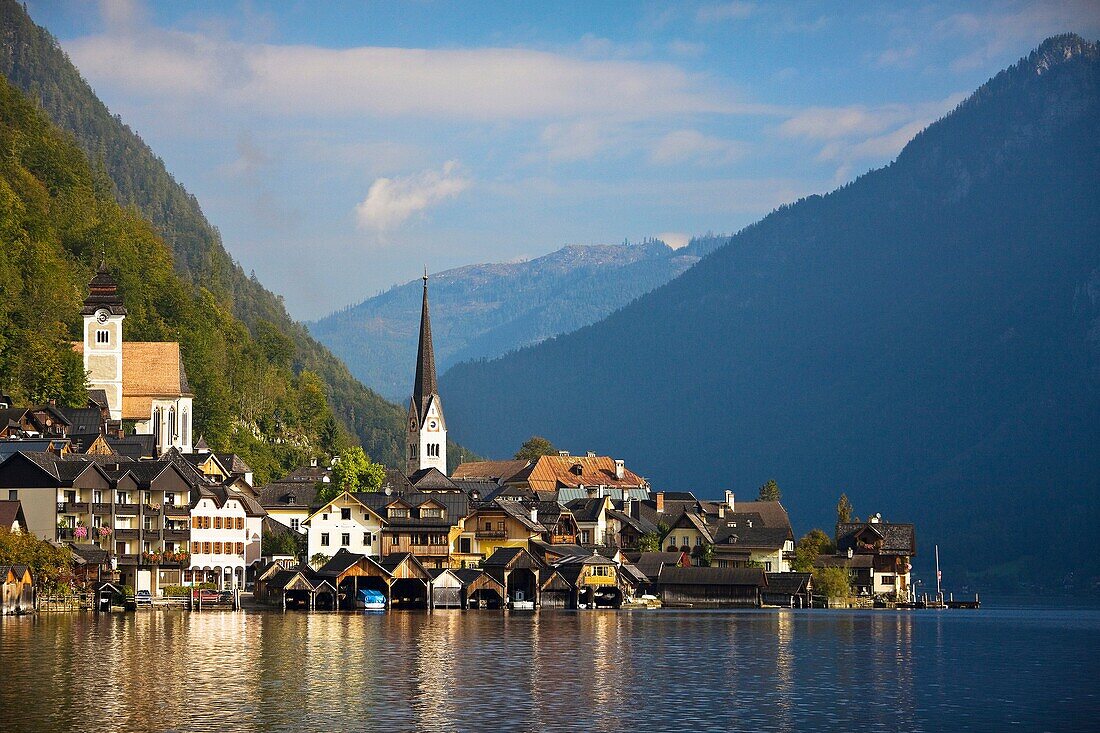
column 345, row 513
column 217, row 548
column 13, row 494
column 367, row 539
column 345, row 539
column 206, row 522
column 294, row 524
column 103, row 336
column 147, row 497
column 324, row 539
column 767, row 567
column 240, row 522
column 488, row 526
column 217, row 522
column 97, row 496
column 240, row 548
column 600, row 570
column 584, row 537
column 400, row 513
column 699, row 541
column 169, row 499
column 393, row 540
column 888, row 580
column 324, row 517
column 500, row 526
column 207, row 548
column 431, row 513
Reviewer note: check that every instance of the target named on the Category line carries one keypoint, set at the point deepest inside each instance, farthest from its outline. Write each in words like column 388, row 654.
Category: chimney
column 876, row 519
column 627, row 502
column 534, row 514
column 313, row 462
column 721, row 511
column 620, row 469
column 563, row 454
column 591, row 454
column 593, row 491
column 729, row 500
column 660, row 502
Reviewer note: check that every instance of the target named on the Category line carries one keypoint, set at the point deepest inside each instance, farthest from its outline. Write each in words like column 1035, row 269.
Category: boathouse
column 712, row 587
column 16, row 589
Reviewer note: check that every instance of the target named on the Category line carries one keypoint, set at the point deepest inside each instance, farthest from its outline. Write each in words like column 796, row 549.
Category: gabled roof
column 286, row 493
column 83, row 420
column 456, row 506
column 792, row 583
column 234, row 463
column 344, row 559
column 550, row 472
column 640, row 525
column 691, row 520
column 510, row 558
column 354, row 497
column 10, row 513
column 89, row 554
column 587, row 510
column 431, row 479
column 58, row 470
column 772, row 512
column 754, row 536
column 650, row 563
column 712, row 576
column 897, row 539
column 134, row 446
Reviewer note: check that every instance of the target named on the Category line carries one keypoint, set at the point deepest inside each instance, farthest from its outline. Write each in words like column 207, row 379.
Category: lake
column 554, row 670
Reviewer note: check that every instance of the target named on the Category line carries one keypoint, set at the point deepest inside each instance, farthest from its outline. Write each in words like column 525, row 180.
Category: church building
column 145, row 382
column 426, row 439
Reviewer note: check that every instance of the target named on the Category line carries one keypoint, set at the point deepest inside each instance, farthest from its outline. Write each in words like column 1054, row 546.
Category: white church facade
column 426, row 435
column 144, row 382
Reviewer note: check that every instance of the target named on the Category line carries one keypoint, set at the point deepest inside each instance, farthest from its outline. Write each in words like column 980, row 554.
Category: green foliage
column 240, row 345
column 57, row 220
column 536, row 447
column 318, row 559
column 177, row 591
column 649, row 542
column 353, row 471
column 813, row 543
column 279, row 543
column 831, row 582
column 769, row 491
column 703, row 554
column 843, row 510
column 48, row 563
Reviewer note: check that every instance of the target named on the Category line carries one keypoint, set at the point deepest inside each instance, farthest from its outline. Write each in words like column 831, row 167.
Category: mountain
column 33, row 62
column 926, row 339
column 482, row 311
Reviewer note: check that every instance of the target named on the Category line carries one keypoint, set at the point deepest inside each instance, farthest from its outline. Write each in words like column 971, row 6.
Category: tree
column 649, row 542
column 831, row 582
column 279, row 543
column 318, row 559
column 703, row 554
column 769, row 491
column 48, row 563
column 353, row 471
column 813, row 543
column 535, row 447
column 843, row 510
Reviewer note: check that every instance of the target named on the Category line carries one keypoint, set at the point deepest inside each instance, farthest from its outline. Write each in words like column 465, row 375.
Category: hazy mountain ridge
column 486, row 310
column 924, row 338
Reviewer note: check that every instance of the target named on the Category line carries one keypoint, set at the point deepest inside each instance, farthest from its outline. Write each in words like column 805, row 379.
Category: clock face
column 412, row 423
column 102, row 317
column 433, row 425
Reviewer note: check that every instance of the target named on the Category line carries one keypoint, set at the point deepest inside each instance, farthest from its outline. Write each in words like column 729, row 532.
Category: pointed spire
column 425, row 385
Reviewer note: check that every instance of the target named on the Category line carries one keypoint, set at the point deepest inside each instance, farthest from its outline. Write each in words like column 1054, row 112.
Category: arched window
column 156, row 426
column 172, row 424
column 186, row 428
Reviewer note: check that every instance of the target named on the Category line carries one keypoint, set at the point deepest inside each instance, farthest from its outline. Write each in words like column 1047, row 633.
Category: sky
column 341, row 147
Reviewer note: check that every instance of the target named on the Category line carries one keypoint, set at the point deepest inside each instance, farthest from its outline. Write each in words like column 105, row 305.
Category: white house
column 344, row 523
column 226, row 528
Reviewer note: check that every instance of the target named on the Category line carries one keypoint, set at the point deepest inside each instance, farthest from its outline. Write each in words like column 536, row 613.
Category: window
column 206, row 522
column 196, row 522
column 412, row 452
column 888, row 580
column 102, row 336
column 240, row 522
column 97, row 496
column 324, row 517
column 13, row 494
column 147, row 497
column 156, row 425
column 431, row 513
column 324, row 539
column 218, row 548
column 147, row 523
column 584, row 537
column 217, row 522
column 433, row 450
column 294, row 524
column 393, row 540
column 207, row 548
column 169, row 499
column 488, row 526
column 698, row 541
column 500, row 526
column 367, row 539
column 345, row 513
column 345, row 539
column 398, row 512
column 600, row 570
column 240, row 548
column 767, row 567
column 186, row 431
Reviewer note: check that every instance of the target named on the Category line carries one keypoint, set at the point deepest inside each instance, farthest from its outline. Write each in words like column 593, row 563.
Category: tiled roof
column 586, row 510
column 551, row 472
column 754, row 537
column 83, row 420
column 489, row 470
column 284, row 493
column 431, row 478
column 790, row 583
column 650, row 563
column 772, row 512
column 897, row 539
column 9, row 512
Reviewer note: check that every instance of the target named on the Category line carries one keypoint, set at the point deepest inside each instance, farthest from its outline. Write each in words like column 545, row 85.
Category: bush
column 176, row 591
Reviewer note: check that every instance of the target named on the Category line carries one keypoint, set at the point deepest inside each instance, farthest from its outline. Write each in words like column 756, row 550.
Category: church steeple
column 426, row 439
column 425, row 385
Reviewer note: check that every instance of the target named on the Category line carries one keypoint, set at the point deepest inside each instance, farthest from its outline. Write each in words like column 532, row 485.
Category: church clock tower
column 103, row 315
column 426, row 435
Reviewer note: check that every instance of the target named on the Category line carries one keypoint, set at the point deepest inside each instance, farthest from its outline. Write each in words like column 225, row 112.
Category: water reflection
column 591, row 670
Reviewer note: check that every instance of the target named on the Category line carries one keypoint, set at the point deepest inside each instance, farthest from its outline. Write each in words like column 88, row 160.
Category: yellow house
column 500, row 523
column 686, row 533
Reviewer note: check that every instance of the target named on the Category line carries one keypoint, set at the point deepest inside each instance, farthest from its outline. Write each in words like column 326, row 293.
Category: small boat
column 370, row 600
column 523, row 605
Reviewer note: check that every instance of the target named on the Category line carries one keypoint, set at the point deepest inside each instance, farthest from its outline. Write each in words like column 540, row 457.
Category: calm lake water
column 594, row 670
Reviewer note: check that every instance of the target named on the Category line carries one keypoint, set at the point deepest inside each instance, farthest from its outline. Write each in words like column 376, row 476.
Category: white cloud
column 468, row 84
column 735, row 10
column 391, row 202
column 563, row 142
column 899, row 57
column 676, row 240
column 682, row 146
column 687, row 49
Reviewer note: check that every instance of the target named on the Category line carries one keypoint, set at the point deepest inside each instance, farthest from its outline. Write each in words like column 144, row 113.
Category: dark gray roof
column 431, row 479
column 286, row 493
column 98, row 397
column 789, row 583
column 712, row 576
column 897, row 539
column 586, row 510
column 749, row 536
column 83, row 420
column 456, row 505
column 10, row 511
column 515, row 557
column 650, row 563
column 642, row 526
column 134, row 446
column 89, row 554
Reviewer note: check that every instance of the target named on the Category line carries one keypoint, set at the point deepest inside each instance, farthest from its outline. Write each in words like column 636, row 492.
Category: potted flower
column 80, row 532
column 104, row 531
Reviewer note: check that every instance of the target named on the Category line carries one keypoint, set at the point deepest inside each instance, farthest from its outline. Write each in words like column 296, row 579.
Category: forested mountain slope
column 31, row 59
column 926, row 339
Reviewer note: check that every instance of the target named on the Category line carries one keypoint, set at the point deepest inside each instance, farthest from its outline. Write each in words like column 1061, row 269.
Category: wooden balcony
column 126, row 534
column 77, row 507
column 101, row 508
column 491, row 534
column 131, row 509
column 150, row 510
column 563, row 539
column 177, row 535
column 176, row 510
column 430, row 550
column 128, row 559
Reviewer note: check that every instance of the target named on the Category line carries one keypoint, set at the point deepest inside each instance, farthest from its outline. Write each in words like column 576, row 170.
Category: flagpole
column 939, row 593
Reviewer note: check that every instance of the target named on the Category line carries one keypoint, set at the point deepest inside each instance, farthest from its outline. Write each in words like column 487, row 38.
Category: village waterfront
column 729, row 670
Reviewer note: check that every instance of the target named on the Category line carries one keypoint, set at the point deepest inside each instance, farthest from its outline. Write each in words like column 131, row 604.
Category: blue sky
column 341, row 146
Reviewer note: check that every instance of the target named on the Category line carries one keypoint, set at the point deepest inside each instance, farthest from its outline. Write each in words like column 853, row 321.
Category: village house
column 16, row 589
column 425, row 524
column 345, row 523
column 289, row 499
column 707, row 587
column 501, row 523
column 890, row 548
column 11, row 516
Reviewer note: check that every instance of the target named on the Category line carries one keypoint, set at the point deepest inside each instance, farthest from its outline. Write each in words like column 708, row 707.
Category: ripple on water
column 597, row 671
